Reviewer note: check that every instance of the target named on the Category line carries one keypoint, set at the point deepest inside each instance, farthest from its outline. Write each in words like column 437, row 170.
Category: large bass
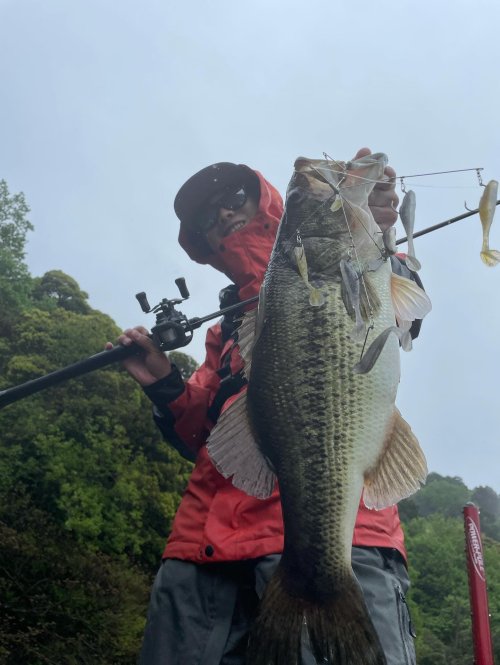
column 322, row 358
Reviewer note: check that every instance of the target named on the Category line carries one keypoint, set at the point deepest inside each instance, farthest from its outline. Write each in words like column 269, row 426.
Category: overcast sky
column 107, row 107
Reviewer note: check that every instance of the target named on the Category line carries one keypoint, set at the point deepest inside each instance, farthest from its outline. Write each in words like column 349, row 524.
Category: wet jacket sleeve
column 180, row 407
column 399, row 266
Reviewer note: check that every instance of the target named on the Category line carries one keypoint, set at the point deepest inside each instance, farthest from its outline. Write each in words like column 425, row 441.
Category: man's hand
column 150, row 364
column 383, row 199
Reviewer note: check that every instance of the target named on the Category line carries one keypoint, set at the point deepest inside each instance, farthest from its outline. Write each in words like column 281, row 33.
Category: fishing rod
column 172, row 330
column 441, row 225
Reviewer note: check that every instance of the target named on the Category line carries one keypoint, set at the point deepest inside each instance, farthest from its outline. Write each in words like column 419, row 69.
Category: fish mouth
column 320, row 178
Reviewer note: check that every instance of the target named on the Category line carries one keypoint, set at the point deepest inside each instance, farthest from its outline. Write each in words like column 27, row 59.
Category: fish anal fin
column 234, row 451
column 400, row 470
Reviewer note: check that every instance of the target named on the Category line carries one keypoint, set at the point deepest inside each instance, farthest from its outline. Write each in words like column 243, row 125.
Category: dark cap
column 209, row 181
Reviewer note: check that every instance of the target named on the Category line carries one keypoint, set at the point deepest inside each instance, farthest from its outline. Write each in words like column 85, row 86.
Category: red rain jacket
column 215, row 521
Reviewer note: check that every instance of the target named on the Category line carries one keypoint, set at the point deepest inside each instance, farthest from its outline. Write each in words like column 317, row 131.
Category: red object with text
column 481, row 635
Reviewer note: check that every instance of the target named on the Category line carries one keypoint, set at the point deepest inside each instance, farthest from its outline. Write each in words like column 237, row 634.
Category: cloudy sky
column 107, row 107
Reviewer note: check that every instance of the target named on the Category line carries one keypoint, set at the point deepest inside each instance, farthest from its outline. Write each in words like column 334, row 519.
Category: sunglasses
column 229, row 200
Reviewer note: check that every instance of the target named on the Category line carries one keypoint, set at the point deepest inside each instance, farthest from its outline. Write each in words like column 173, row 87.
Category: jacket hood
column 243, row 256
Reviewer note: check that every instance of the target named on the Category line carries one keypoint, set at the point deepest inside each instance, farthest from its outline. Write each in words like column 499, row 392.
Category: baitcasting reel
column 172, row 329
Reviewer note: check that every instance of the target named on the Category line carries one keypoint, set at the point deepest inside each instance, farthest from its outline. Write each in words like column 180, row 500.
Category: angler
column 225, row 545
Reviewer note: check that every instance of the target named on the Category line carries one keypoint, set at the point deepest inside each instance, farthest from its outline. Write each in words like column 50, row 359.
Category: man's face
column 227, row 213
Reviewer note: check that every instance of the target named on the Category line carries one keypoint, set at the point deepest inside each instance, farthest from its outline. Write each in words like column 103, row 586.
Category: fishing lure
column 487, row 206
column 316, row 298
column 407, row 215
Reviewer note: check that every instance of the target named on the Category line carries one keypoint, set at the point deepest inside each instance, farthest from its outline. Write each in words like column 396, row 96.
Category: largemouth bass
column 317, row 414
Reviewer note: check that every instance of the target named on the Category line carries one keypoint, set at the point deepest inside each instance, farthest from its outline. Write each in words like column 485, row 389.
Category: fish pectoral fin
column 235, row 452
column 410, row 302
column 401, row 468
column 248, row 332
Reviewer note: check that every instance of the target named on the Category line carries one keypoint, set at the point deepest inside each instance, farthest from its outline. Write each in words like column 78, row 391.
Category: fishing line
column 338, row 192
column 358, row 219
column 370, row 327
column 422, row 175
column 434, row 186
column 403, row 177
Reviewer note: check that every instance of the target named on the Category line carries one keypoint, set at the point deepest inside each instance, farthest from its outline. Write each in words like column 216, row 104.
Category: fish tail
column 491, row 257
column 339, row 630
column 276, row 634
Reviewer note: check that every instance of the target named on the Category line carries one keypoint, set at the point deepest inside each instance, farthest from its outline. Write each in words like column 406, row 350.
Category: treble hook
column 403, row 187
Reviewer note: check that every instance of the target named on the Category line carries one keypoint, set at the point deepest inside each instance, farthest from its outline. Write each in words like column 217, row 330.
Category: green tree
column 441, row 494
column 439, row 589
column 62, row 290
column 60, row 602
column 184, row 363
column 88, row 449
column 15, row 281
column 489, row 503
column 88, row 491
column 439, row 597
column 88, row 488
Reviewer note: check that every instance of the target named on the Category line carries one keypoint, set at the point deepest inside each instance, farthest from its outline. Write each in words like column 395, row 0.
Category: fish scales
column 324, row 421
column 312, row 411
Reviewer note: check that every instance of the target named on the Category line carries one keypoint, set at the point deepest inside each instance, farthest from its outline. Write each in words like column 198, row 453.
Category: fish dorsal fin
column 234, row 452
column 400, row 470
column 410, row 302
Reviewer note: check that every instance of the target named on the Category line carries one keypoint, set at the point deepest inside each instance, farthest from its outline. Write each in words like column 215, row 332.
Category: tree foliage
column 62, row 603
column 439, row 598
column 88, row 489
column 185, row 363
column 62, row 290
column 15, row 281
